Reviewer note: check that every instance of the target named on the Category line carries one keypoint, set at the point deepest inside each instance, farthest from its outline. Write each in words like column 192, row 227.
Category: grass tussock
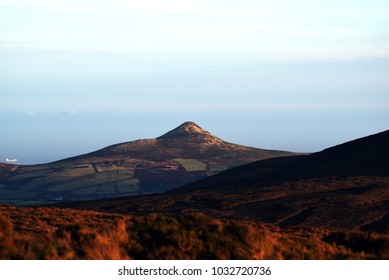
column 188, row 236
column 361, row 242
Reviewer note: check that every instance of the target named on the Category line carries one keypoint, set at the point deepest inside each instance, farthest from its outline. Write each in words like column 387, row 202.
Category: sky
column 78, row 75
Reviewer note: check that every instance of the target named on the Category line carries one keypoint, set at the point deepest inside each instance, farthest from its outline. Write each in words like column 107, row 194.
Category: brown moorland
column 52, row 233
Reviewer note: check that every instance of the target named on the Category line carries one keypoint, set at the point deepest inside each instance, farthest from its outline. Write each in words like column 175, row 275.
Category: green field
column 192, row 164
column 17, row 193
column 98, row 179
column 105, row 167
column 33, row 184
column 86, row 191
column 217, row 168
column 32, row 174
column 77, row 170
column 127, row 186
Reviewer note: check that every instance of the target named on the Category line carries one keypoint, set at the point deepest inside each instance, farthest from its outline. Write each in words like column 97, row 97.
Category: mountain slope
column 182, row 155
column 185, row 141
column 343, row 187
column 367, row 156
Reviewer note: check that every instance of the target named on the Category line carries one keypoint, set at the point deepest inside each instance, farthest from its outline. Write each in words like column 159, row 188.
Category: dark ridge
column 297, row 218
column 367, row 156
column 381, row 225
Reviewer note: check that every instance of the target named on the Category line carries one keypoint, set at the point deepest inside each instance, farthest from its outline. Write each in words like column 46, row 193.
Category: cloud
column 31, row 113
column 64, row 6
column 163, row 8
column 179, row 7
column 264, row 29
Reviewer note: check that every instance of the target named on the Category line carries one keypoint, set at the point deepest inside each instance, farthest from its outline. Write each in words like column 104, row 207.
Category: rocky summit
column 187, row 129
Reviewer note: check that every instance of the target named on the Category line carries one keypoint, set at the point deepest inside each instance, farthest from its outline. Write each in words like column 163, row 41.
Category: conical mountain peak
column 186, row 129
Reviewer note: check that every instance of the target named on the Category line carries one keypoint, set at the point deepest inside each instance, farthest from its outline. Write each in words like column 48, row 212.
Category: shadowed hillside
column 367, row 156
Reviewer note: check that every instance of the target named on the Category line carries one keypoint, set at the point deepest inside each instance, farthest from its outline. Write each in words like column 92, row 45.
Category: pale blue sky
column 295, row 75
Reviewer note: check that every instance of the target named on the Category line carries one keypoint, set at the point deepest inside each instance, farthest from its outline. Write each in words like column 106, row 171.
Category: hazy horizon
column 76, row 76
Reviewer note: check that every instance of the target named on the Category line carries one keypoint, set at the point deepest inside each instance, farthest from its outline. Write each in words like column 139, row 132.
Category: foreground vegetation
column 44, row 233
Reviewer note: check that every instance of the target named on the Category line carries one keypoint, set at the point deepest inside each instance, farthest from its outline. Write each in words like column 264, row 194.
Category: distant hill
column 181, row 156
column 343, row 187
